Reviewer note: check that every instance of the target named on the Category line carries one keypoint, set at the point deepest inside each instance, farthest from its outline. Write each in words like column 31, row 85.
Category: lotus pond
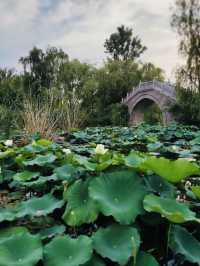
column 102, row 197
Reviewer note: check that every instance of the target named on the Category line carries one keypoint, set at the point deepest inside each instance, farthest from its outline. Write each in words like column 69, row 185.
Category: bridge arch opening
column 148, row 111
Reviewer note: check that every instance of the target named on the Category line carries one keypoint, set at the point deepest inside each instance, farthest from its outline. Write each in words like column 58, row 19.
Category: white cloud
column 80, row 27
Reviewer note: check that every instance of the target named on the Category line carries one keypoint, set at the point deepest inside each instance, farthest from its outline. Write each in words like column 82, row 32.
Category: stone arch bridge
column 160, row 93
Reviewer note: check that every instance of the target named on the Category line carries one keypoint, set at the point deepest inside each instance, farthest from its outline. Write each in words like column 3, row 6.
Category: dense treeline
column 95, row 93
column 70, row 93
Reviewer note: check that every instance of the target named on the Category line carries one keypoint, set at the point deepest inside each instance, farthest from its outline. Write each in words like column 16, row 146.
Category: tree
column 186, row 21
column 122, row 45
column 10, row 99
column 114, row 80
column 150, row 72
column 41, row 69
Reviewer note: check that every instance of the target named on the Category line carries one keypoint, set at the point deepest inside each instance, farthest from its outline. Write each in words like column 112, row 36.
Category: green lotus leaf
column 63, row 250
column 145, row 259
column 32, row 207
column 119, row 194
column 41, row 181
column 172, row 171
column 117, row 242
column 66, row 172
column 134, row 160
column 33, row 148
column 196, row 191
column 39, row 206
column 182, row 242
column 10, row 231
column 84, row 161
column 158, row 185
column 154, row 146
column 44, row 142
column 7, row 214
column 25, row 176
column 80, row 207
column 52, row 231
column 6, row 154
column 6, row 175
column 41, row 160
column 22, row 249
column 95, row 261
column 174, row 211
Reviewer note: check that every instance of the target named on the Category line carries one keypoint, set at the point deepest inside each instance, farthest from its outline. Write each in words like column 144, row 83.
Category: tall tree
column 41, row 69
column 186, row 21
column 150, row 72
column 10, row 99
column 122, row 45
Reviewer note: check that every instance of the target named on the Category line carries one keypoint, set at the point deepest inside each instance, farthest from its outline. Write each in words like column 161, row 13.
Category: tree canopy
column 122, row 45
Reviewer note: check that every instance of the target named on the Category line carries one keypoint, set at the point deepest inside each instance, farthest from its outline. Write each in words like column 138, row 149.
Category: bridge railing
column 162, row 87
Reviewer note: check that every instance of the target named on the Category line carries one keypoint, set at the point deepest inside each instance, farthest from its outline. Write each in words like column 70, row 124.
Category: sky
column 80, row 28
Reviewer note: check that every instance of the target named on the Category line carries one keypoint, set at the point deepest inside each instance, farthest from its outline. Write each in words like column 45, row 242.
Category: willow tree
column 186, row 22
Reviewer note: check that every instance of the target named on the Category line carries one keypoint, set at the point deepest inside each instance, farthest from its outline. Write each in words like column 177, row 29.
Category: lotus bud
column 67, row 151
column 9, row 142
column 100, row 149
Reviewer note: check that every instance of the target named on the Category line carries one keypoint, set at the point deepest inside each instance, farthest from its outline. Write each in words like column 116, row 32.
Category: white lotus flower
column 67, row 151
column 174, row 147
column 100, row 149
column 9, row 142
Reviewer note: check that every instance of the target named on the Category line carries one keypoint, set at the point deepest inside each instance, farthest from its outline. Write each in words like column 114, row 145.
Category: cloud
column 80, row 27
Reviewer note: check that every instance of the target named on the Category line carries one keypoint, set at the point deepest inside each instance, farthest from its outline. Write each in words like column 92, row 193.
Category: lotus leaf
column 182, row 242
column 84, row 161
column 160, row 186
column 116, row 242
column 8, row 214
column 119, row 194
column 25, row 176
column 21, row 249
column 63, row 250
column 52, row 231
column 95, row 261
column 66, row 172
column 10, row 231
column 40, row 181
column 41, row 160
column 196, row 191
column 174, row 211
column 134, row 160
column 172, row 171
column 145, row 259
column 39, row 206
column 44, row 142
column 80, row 207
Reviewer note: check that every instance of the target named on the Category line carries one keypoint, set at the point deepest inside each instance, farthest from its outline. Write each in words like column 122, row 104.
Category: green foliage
column 80, row 208
column 174, row 211
column 146, row 259
column 75, row 252
column 119, row 194
column 68, row 93
column 121, row 45
column 186, row 21
column 182, row 242
column 116, row 243
column 20, row 249
column 172, row 171
column 105, row 196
